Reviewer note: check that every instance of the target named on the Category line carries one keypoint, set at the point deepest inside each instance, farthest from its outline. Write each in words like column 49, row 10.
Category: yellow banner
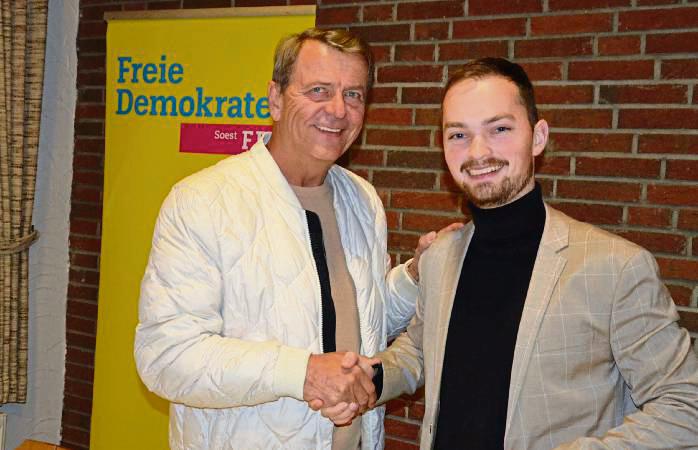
column 180, row 93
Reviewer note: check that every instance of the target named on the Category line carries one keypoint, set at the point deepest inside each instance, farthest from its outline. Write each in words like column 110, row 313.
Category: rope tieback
column 17, row 245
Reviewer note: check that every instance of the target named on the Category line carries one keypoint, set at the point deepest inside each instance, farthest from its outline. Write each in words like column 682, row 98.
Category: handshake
column 340, row 385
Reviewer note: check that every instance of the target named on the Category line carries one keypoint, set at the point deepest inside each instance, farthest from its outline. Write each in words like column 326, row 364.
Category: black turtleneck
column 484, row 322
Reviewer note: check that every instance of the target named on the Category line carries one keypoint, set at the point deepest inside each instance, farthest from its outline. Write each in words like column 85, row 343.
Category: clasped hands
column 340, row 385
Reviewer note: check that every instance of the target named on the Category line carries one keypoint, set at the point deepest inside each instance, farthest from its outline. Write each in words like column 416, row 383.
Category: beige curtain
column 22, row 44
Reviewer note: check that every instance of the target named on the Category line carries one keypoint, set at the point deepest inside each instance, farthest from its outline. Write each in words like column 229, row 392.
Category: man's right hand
column 330, row 380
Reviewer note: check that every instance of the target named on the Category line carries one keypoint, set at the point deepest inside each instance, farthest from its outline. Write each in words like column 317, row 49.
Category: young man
column 266, row 263
column 534, row 330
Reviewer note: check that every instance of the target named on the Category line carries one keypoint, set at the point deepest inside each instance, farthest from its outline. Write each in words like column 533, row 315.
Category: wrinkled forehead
column 317, row 60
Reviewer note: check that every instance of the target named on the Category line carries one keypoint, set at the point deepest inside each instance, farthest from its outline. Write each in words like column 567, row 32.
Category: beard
column 492, row 195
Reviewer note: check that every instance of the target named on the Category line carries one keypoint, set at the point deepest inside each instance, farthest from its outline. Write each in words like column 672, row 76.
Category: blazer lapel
column 546, row 272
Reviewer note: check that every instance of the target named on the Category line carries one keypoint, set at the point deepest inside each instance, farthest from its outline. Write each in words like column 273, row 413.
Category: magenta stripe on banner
column 218, row 138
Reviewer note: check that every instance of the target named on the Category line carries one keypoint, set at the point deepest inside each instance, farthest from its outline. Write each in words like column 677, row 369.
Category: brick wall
column 615, row 79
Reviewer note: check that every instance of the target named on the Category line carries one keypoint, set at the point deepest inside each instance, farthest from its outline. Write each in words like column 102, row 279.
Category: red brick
column 577, row 118
column 410, row 52
column 91, row 78
column 85, row 243
column 471, row 50
column 91, row 45
column 425, row 223
column 333, row 16
column 688, row 220
column 82, row 325
column 383, row 33
column 591, row 142
column 74, row 438
column 82, row 292
column 392, row 219
column 611, row 70
column 672, row 194
column 89, row 178
column 389, row 116
column 404, row 180
column 658, row 2
column 668, row 143
column 564, row 94
column 571, row 24
column 173, row 4
column 649, row 217
column 618, row 167
column 77, row 371
column 83, row 128
column 91, row 62
column 96, row 12
column 91, row 95
column 410, row 74
column 430, row 31
column 488, row 7
column 79, row 356
column 421, row 95
column 401, row 429
column 481, row 28
column 381, row 53
column 396, row 407
column 82, row 260
column 556, row 5
column 425, row 200
column 598, row 190
column 364, row 157
column 543, row 71
column 657, row 242
column 428, row 117
column 89, row 145
column 672, row 43
column 543, row 48
column 429, row 10
column 402, row 241
column 658, row 93
column 416, row 160
column 658, row 118
column 446, row 183
column 76, row 419
column 657, row 19
column 407, row 138
column 392, row 444
column 553, row 165
column 86, row 194
column 383, row 95
column 682, row 169
column 416, row 411
column 377, row 13
column 678, row 269
column 90, row 110
column 596, row 214
column 85, row 211
column 87, row 161
column 681, row 295
column 92, row 29
column 618, row 45
column 82, row 309
column 679, row 68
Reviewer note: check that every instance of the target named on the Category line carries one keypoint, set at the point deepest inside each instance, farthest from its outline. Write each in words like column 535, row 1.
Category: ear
column 540, row 137
column 276, row 100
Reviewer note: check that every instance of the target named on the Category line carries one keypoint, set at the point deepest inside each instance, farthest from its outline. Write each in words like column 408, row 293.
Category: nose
column 336, row 106
column 479, row 148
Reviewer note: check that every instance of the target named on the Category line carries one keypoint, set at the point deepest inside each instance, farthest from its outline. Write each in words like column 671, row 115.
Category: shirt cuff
column 289, row 373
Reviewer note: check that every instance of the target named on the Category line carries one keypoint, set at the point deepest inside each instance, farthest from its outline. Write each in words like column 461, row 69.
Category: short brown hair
column 345, row 41
column 484, row 67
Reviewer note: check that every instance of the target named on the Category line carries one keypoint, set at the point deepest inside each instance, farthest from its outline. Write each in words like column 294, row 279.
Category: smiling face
column 320, row 113
column 489, row 143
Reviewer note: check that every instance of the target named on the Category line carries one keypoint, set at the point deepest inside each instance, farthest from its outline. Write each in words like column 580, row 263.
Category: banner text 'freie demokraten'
column 198, row 104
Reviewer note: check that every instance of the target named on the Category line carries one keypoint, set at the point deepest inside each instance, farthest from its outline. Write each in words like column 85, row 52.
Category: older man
column 533, row 330
column 265, row 264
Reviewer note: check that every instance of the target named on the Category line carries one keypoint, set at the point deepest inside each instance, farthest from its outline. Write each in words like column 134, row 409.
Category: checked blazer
column 599, row 362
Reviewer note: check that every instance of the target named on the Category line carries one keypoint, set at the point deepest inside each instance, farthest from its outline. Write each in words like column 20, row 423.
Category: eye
column 454, row 136
column 501, row 129
column 354, row 95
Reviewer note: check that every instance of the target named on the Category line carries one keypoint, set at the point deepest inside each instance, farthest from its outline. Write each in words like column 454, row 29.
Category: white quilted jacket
column 230, row 305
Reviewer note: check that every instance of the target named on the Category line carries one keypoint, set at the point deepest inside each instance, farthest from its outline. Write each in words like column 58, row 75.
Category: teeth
column 331, row 130
column 483, row 171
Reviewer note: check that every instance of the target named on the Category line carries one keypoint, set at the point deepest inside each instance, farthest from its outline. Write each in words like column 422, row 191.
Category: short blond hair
column 345, row 41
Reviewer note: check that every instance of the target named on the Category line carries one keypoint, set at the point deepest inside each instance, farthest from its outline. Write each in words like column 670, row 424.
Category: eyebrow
column 485, row 122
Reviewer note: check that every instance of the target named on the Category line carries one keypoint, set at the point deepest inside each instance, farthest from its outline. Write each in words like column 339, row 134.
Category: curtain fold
column 22, row 50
